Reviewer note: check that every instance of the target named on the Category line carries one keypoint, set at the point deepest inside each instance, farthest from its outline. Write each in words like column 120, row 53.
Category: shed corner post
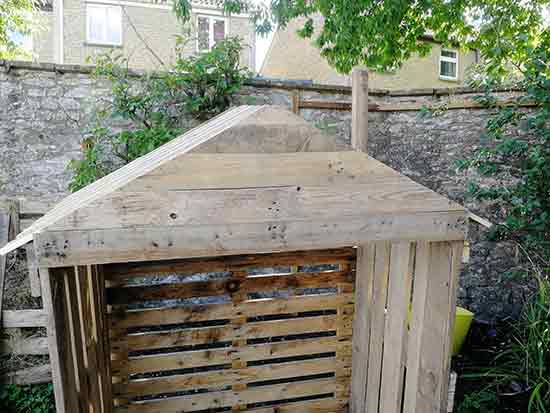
column 360, row 109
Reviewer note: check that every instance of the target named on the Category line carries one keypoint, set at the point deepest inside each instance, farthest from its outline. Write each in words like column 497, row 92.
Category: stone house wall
column 44, row 109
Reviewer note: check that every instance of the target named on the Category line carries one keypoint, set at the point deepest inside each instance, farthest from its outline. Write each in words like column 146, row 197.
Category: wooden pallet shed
column 262, row 282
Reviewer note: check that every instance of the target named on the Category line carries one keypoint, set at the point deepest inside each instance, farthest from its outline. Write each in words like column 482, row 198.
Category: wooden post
column 359, row 110
column 296, row 103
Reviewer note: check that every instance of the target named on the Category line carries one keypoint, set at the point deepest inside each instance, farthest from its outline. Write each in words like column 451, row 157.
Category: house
column 292, row 57
column 73, row 30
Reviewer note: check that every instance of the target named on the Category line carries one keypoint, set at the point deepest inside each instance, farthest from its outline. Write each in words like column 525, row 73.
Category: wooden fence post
column 360, row 110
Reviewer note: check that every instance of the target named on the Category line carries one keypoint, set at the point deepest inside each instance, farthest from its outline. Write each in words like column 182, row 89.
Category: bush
column 159, row 106
column 36, row 398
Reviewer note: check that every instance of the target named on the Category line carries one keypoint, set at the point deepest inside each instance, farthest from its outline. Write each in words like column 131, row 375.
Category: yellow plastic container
column 463, row 320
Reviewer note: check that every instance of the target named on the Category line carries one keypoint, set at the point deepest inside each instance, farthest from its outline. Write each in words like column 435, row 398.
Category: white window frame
column 96, row 42
column 211, row 20
column 449, row 60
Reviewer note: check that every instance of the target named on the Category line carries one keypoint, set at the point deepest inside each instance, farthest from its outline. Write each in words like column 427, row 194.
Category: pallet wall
column 260, row 332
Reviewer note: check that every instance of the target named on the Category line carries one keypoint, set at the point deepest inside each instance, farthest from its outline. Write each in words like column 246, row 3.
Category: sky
column 262, row 43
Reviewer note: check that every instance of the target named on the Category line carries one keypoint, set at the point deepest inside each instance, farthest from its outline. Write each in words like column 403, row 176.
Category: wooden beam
column 34, row 278
column 24, row 318
column 62, row 248
column 360, row 110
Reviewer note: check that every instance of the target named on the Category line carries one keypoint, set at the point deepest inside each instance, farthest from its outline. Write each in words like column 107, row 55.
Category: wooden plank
column 31, row 375
column 24, row 318
column 50, row 299
column 293, row 203
column 230, row 398
column 24, row 345
column 74, row 335
column 34, row 278
column 360, row 109
column 362, row 325
column 89, row 346
column 250, row 308
column 199, row 380
column 121, row 272
column 437, row 266
column 330, row 405
column 378, row 314
column 230, row 285
column 262, row 329
column 5, row 219
column 267, row 351
column 228, row 171
column 158, row 243
column 395, row 328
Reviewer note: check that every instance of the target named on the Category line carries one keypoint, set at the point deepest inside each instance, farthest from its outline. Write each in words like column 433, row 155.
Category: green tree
column 16, row 20
column 381, row 34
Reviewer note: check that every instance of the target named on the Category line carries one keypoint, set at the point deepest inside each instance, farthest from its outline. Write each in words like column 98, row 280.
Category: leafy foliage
column 27, row 399
column 517, row 151
column 157, row 106
column 524, row 364
column 16, row 18
column 382, row 34
column 481, row 401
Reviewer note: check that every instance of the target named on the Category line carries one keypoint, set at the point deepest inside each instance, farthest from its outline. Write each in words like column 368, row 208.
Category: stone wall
column 45, row 108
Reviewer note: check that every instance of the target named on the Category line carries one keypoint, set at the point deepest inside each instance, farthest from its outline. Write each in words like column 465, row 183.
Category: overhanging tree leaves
column 16, row 19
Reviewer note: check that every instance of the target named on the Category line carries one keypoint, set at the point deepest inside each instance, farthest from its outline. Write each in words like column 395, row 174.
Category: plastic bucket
column 463, row 320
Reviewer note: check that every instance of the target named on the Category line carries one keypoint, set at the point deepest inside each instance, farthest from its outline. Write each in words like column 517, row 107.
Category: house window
column 210, row 30
column 448, row 65
column 104, row 24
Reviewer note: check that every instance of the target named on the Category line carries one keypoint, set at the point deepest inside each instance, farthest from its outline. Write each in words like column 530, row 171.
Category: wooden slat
column 251, row 308
column 34, row 278
column 395, row 328
column 74, row 334
column 323, row 406
column 437, row 266
column 21, row 345
column 208, row 379
column 122, row 272
column 52, row 299
column 378, row 310
column 201, row 358
column 229, row 171
column 261, row 329
column 5, row 219
column 157, row 243
column 89, row 346
column 230, row 398
column 267, row 205
column 232, row 285
column 362, row 326
column 24, row 318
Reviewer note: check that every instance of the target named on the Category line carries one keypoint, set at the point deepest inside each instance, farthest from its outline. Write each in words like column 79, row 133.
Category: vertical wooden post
column 61, row 360
column 359, row 110
column 362, row 326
